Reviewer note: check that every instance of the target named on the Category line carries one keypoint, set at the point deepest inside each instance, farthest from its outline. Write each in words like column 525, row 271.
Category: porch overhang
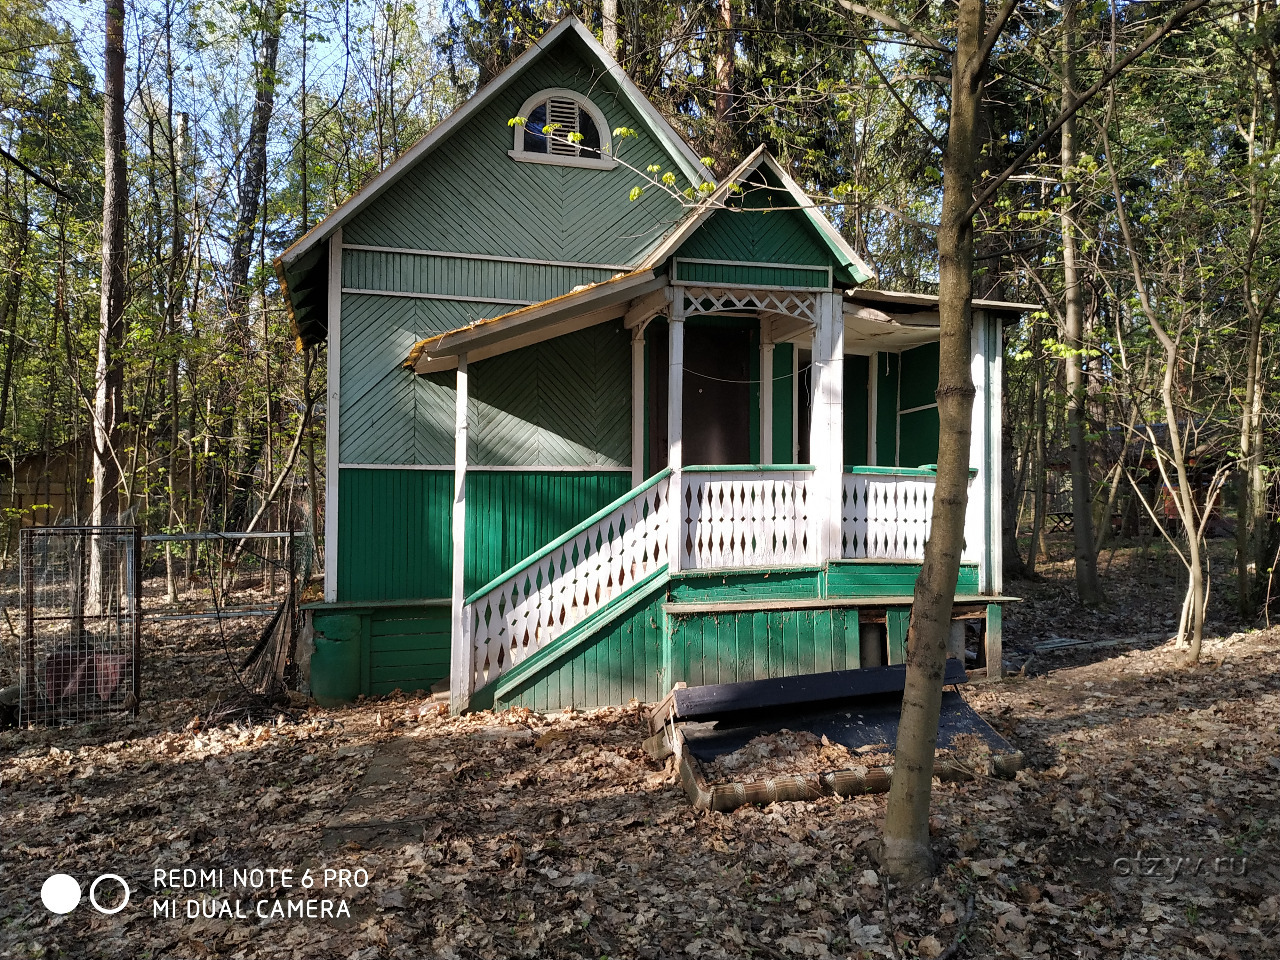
column 529, row 325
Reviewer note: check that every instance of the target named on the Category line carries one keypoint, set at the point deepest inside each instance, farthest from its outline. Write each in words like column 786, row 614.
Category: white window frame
column 604, row 162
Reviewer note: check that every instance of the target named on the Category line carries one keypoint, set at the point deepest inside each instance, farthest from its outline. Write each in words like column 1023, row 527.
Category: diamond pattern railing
column 744, row 518
column 564, row 583
column 886, row 516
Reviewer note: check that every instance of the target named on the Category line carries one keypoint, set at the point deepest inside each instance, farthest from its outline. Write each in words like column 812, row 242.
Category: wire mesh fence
column 80, row 655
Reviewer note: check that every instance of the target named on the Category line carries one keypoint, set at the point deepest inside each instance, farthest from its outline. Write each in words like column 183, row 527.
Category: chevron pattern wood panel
column 389, row 415
column 471, row 197
column 564, row 402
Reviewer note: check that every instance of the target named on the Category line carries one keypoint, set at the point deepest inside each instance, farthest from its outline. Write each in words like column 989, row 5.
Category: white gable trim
column 675, row 145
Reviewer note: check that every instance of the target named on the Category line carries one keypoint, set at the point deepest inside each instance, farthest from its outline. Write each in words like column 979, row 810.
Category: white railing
column 886, row 514
column 752, row 516
column 568, row 580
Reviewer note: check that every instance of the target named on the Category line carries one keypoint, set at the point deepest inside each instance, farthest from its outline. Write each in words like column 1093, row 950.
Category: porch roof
column 584, row 307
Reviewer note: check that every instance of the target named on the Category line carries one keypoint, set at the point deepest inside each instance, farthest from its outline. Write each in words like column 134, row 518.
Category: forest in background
column 1142, row 222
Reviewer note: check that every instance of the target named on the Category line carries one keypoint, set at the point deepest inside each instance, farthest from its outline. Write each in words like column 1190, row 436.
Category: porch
column 724, row 565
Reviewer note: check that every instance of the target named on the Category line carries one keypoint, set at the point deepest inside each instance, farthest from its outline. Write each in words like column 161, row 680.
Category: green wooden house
column 584, row 445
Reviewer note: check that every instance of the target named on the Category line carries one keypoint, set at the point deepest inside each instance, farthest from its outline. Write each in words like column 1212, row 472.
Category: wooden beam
column 995, row 642
column 646, row 308
column 462, row 663
column 333, row 417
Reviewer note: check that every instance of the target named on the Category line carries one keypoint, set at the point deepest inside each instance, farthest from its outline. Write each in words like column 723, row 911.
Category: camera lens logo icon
column 61, row 893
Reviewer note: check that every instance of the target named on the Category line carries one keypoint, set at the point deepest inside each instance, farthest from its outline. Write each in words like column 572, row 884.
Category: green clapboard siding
column 394, row 534
column 870, row 578
column 783, row 403
column 415, row 273
column 512, row 513
column 622, row 661
column 469, row 196
column 752, row 274
column 408, row 648
column 856, row 399
column 731, row 648
column 796, row 584
column 562, row 402
column 886, row 375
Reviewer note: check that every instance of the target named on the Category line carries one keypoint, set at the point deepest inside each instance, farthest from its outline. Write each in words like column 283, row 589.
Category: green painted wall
column 874, row 578
column 562, row 402
column 749, row 274
column 395, row 532
column 511, row 514
column 856, row 401
column 886, row 377
column 623, row 661
column 389, row 415
column 730, row 648
column 783, row 403
column 803, row 583
column 759, row 226
column 471, row 197
column 375, row 270
column 408, row 648
column 376, row 650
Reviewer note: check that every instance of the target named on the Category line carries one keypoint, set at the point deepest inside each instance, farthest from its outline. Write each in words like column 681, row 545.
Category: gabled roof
column 761, row 160
column 681, row 152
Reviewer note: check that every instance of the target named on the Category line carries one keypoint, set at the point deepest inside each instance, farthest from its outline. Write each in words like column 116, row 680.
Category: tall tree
column 1087, row 585
column 906, row 854
column 109, row 374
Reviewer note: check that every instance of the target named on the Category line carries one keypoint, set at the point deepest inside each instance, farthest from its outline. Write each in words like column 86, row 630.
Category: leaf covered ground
column 1146, row 825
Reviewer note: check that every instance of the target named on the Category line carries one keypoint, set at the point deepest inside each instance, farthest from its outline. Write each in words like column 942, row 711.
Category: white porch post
column 675, row 424
column 826, row 430
column 766, row 391
column 332, row 450
column 463, row 660
column 637, row 405
column 976, row 527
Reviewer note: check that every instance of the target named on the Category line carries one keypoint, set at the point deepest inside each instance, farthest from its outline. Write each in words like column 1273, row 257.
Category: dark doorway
column 717, row 394
column 719, row 397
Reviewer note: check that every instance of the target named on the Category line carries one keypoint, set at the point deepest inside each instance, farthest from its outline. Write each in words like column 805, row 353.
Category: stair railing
column 544, row 596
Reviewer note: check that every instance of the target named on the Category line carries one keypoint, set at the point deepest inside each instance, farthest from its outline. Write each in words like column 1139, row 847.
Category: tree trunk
column 1087, row 586
column 906, row 854
column 724, row 62
column 238, row 471
column 609, row 18
column 109, row 376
